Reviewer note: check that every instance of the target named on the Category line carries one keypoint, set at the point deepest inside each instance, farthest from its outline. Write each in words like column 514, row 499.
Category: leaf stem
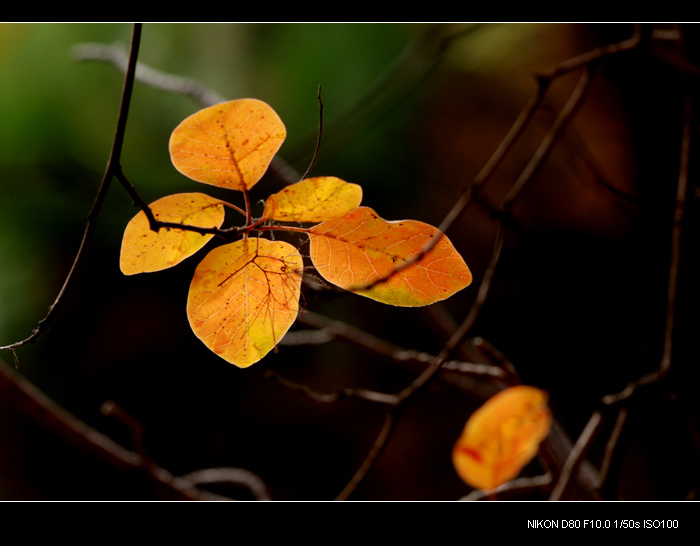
column 248, row 212
column 276, row 227
column 234, row 207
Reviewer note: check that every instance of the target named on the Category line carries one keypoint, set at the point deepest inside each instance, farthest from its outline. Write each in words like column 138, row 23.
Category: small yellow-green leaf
column 229, row 145
column 502, row 436
column 243, row 298
column 365, row 254
column 313, row 200
column 144, row 250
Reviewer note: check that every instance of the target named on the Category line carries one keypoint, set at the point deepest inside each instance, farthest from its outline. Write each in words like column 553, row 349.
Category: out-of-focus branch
column 116, row 54
column 111, row 169
column 514, row 489
column 337, row 396
column 24, row 396
column 654, row 378
column 563, row 119
column 408, row 69
column 32, row 402
column 423, row 379
column 393, row 352
column 230, row 476
column 577, row 454
column 543, row 151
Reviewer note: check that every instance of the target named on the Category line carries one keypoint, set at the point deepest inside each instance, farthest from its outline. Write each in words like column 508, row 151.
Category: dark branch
column 111, row 169
column 320, row 134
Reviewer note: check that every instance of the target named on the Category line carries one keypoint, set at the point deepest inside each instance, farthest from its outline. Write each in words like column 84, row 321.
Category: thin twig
column 565, row 116
column 370, row 459
column 676, row 233
column 556, row 446
column 482, row 177
column 337, row 396
column 514, row 489
column 395, row 353
column 230, row 476
column 320, row 134
column 422, row 380
column 543, row 83
column 24, row 396
column 577, row 454
column 611, row 446
column 552, row 136
column 111, row 169
column 664, row 367
column 226, row 234
column 464, row 329
column 172, row 83
column 590, row 57
column 401, row 77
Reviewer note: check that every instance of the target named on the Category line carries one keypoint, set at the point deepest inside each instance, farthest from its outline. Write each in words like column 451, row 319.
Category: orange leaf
column 229, row 145
column 502, row 436
column 243, row 298
column 144, row 250
column 360, row 248
column 313, row 200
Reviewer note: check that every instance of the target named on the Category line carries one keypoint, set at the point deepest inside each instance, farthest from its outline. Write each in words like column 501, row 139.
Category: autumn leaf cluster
column 244, row 295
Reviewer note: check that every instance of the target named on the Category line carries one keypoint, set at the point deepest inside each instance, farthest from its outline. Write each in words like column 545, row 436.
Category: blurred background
column 412, row 112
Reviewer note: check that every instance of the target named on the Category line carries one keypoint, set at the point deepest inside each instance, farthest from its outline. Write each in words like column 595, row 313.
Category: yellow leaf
column 243, row 298
column 144, row 250
column 501, row 437
column 229, row 145
column 313, row 200
column 361, row 248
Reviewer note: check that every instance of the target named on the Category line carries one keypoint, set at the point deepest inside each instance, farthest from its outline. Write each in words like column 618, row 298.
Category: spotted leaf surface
column 313, row 200
column 144, row 250
column 243, row 298
column 229, row 145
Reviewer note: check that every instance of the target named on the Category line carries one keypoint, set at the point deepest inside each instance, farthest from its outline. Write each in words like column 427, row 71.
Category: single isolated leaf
column 360, row 248
column 229, row 145
column 144, row 250
column 243, row 298
column 313, row 200
column 502, row 436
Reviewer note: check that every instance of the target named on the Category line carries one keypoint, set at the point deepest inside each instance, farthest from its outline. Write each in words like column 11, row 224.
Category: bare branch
column 231, row 476
column 679, row 211
column 565, row 116
column 544, row 81
column 343, row 394
column 550, row 139
column 370, row 459
column 577, row 454
column 390, row 351
column 320, row 133
column 111, row 169
column 612, row 445
column 514, row 489
column 32, row 402
column 157, row 79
